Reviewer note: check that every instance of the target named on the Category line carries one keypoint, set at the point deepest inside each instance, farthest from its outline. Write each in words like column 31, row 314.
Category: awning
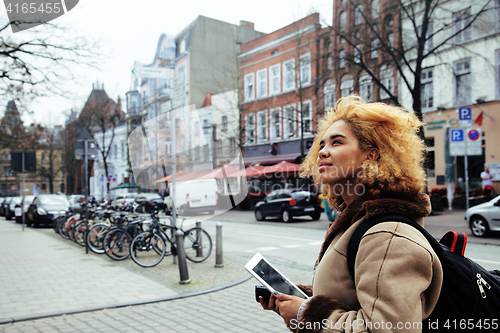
column 270, row 159
column 282, row 167
column 253, row 171
column 182, row 176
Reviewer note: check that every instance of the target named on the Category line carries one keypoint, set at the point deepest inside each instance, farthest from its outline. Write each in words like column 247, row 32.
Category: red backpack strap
column 456, row 241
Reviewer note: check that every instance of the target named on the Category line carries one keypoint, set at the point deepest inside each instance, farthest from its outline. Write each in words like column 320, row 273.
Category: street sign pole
column 466, row 167
column 22, row 189
column 85, row 145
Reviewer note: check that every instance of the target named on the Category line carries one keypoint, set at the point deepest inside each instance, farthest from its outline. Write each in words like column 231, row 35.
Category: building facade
column 278, row 97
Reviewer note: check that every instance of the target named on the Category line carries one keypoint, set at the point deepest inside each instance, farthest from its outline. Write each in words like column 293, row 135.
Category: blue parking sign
column 457, row 135
column 465, row 113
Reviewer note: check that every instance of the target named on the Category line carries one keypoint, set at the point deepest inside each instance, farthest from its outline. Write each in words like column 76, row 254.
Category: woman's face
column 340, row 156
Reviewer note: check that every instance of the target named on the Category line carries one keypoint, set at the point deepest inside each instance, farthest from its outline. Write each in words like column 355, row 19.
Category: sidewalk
column 42, row 274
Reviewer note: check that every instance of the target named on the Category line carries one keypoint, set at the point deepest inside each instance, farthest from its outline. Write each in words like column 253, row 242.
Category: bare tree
column 51, row 146
column 400, row 36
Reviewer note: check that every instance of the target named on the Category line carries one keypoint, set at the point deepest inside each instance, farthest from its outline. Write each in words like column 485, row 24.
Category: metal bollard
column 199, row 249
column 181, row 254
column 218, row 246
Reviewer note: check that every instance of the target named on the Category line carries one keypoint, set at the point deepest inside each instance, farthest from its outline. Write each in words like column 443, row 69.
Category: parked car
column 4, row 206
column 45, row 208
column 124, row 200
column 1, row 205
column 286, row 204
column 194, row 195
column 28, row 199
column 484, row 218
column 147, row 202
column 76, row 200
column 11, row 207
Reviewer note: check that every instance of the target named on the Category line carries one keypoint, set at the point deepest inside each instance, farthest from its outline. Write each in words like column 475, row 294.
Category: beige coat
column 398, row 275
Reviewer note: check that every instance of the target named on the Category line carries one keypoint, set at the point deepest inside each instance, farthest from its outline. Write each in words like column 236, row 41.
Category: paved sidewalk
column 42, row 274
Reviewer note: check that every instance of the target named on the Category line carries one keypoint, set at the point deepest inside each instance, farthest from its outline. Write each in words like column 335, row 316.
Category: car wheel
column 316, row 216
column 259, row 216
column 286, row 216
column 479, row 226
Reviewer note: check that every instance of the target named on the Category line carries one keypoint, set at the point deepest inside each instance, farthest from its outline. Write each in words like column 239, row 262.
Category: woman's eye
column 321, row 147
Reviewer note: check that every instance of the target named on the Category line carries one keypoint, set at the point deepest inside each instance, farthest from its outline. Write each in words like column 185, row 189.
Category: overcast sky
column 130, row 29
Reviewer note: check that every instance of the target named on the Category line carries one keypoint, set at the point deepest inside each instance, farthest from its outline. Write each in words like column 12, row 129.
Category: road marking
column 275, row 236
column 269, row 248
column 487, row 261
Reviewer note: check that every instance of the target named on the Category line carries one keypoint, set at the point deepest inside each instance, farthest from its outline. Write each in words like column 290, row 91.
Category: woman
column 368, row 159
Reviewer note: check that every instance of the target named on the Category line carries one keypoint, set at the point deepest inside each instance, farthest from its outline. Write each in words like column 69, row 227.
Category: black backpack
column 470, row 295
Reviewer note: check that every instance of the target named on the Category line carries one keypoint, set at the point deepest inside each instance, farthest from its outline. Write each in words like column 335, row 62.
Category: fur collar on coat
column 414, row 209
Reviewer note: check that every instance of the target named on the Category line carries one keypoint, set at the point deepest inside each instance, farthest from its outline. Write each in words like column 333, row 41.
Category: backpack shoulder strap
column 353, row 246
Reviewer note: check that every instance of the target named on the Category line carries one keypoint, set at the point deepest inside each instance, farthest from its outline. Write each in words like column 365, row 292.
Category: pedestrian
column 368, row 158
column 487, row 182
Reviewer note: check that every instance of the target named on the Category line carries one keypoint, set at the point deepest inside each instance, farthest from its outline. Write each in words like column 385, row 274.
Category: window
column 262, row 126
column 365, row 87
column 428, row 37
column 250, row 128
column 218, row 145
column 387, row 80
column 290, row 121
column 289, row 74
column 306, row 116
column 232, row 146
column 374, row 53
column 123, row 149
column 375, row 9
column 329, row 92
column 224, row 123
column 497, row 72
column 329, row 64
column 262, row 83
column 305, row 68
column 276, row 124
column 461, row 33
column 4, row 156
column 168, row 146
column 390, row 39
column 427, row 90
column 249, row 87
column 358, row 15
column 430, row 160
column 116, row 151
column 205, row 126
column 346, row 85
column 463, row 93
column 275, row 79
column 343, row 21
column 342, row 59
column 43, row 157
column 358, row 53
column 7, row 172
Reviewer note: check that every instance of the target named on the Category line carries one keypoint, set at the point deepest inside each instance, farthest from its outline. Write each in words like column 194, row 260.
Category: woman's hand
column 285, row 305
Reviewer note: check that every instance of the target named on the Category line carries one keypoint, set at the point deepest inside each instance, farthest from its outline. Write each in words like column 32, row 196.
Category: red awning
column 253, row 171
column 182, row 176
column 282, row 167
column 218, row 173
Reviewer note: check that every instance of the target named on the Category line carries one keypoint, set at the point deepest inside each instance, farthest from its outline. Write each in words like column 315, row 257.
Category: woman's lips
column 323, row 166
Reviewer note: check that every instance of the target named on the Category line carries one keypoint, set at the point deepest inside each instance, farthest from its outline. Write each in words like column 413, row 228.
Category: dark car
column 45, row 208
column 4, row 206
column 2, row 213
column 147, row 202
column 286, row 204
column 11, row 207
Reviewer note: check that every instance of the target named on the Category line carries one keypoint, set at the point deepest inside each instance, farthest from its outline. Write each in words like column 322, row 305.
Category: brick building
column 279, row 92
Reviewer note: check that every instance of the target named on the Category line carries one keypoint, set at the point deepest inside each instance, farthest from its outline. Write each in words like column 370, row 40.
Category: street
column 43, row 276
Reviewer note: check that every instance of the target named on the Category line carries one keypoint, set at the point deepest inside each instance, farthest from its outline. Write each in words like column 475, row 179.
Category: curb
column 122, row 305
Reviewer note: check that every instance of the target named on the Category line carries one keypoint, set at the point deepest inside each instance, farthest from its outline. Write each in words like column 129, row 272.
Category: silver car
column 484, row 217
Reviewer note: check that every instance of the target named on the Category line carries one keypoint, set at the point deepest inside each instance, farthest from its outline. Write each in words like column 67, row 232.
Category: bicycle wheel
column 117, row 244
column 148, row 249
column 79, row 233
column 197, row 244
column 95, row 237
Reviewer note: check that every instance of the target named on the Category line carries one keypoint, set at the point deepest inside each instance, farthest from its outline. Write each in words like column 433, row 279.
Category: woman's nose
column 323, row 153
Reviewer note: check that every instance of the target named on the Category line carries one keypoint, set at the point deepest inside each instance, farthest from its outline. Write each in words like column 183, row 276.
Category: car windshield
column 16, row 200
column 52, row 200
column 131, row 196
column 300, row 194
column 152, row 196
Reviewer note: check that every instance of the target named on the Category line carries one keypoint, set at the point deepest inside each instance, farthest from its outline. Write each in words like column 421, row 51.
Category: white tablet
column 271, row 278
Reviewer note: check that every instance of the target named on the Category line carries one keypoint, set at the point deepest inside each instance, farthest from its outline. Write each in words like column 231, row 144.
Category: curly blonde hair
column 393, row 131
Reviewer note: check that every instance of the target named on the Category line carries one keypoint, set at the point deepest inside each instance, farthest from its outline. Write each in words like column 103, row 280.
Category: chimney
column 247, row 24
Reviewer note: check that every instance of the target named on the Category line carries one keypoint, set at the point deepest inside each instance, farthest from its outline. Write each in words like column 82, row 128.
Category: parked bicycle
column 148, row 248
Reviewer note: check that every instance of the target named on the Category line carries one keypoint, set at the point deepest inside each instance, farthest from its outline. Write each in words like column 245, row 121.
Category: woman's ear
column 373, row 154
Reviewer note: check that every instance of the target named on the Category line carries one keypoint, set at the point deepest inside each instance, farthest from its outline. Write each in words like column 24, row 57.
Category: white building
column 116, row 160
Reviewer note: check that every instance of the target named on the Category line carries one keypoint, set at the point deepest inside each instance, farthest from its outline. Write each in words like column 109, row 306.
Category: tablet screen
column 275, row 280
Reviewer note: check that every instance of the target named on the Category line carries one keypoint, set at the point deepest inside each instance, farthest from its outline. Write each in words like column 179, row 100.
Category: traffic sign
column 151, row 72
column 464, row 117
column 462, row 137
